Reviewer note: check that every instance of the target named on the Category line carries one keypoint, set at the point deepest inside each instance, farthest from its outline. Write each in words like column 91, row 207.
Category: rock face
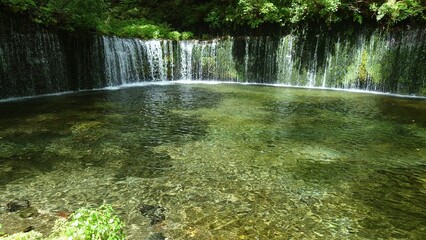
column 17, row 205
column 154, row 213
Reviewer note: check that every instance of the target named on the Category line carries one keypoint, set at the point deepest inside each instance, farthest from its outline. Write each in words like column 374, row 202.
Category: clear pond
column 222, row 161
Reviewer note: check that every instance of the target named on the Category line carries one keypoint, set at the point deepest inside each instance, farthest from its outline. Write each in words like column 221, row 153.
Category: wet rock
column 28, row 229
column 154, row 213
column 157, row 236
column 28, row 212
column 17, row 205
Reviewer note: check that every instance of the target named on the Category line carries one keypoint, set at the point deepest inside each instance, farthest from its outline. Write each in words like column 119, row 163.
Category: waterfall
column 380, row 61
column 285, row 59
column 39, row 62
column 32, row 64
column 155, row 54
column 186, row 59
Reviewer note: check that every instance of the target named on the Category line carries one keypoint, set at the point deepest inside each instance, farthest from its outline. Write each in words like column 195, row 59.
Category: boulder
column 17, row 205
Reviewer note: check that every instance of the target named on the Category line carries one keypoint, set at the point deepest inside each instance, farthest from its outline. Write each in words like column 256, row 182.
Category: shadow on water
column 396, row 200
column 97, row 128
column 368, row 150
column 148, row 165
column 25, row 165
column 403, row 111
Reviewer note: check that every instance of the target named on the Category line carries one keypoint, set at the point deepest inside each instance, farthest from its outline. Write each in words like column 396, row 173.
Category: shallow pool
column 222, row 161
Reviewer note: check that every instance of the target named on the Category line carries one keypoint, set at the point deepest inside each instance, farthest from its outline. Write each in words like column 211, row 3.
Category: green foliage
column 329, row 10
column 174, row 35
column 84, row 224
column 257, row 12
column 169, row 18
column 19, row 5
column 298, row 10
column 396, row 11
column 77, row 14
column 142, row 30
column 214, row 18
column 187, row 35
column 97, row 224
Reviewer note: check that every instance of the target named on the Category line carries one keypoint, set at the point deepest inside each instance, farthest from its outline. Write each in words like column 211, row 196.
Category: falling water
column 155, row 55
column 32, row 64
column 285, row 58
column 43, row 62
column 367, row 61
column 186, row 59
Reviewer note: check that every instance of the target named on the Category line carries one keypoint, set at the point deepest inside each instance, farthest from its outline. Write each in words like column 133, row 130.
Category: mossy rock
column 28, row 212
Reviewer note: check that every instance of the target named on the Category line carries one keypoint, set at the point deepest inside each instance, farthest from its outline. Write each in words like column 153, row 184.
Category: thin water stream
column 223, row 161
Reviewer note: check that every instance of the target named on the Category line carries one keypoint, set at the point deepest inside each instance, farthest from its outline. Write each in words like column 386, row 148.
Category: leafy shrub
column 396, row 11
column 139, row 28
column 142, row 31
column 187, row 35
column 19, row 5
column 174, row 35
column 86, row 223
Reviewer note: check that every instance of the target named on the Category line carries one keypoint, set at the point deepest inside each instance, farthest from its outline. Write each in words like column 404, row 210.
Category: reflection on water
column 222, row 161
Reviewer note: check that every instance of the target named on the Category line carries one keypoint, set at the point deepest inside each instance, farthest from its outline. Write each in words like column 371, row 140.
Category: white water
column 34, row 64
column 291, row 60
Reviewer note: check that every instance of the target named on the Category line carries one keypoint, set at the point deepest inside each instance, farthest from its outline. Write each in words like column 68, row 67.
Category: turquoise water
column 224, row 161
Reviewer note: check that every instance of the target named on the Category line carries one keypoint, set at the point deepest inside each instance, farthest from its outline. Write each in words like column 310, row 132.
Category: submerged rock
column 157, row 236
column 28, row 212
column 28, row 229
column 17, row 205
column 154, row 213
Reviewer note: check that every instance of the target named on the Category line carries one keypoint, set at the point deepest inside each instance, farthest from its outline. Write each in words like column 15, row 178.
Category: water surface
column 224, row 161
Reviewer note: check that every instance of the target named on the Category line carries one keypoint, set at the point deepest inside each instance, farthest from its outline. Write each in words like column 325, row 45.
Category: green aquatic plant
column 87, row 223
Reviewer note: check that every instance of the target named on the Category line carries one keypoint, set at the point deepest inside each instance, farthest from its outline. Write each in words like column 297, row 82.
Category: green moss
column 362, row 71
